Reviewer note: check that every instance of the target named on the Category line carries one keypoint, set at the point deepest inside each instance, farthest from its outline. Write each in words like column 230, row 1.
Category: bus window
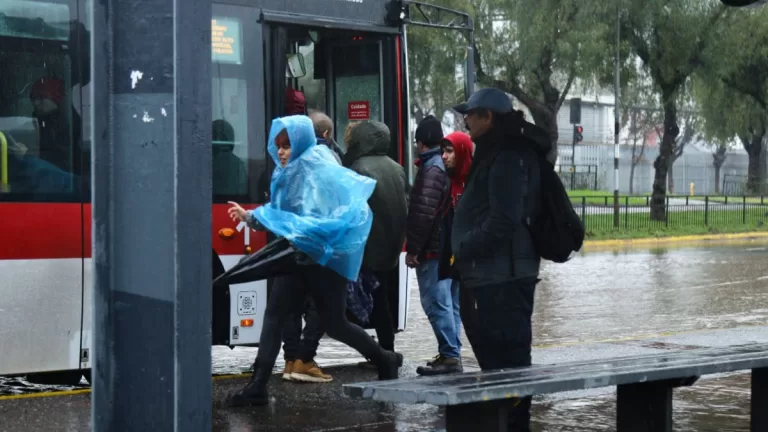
column 313, row 88
column 357, row 78
column 41, row 128
column 230, row 104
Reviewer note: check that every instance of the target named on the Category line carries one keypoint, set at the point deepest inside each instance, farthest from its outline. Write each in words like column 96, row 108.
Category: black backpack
column 557, row 231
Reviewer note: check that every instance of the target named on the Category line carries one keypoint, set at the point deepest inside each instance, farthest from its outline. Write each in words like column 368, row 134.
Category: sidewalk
column 322, row 407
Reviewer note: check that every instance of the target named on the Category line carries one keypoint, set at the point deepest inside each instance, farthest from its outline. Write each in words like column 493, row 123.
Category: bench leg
column 481, row 416
column 759, row 405
column 644, row 407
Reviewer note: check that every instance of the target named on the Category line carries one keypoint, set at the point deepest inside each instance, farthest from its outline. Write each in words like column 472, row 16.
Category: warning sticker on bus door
column 359, row 110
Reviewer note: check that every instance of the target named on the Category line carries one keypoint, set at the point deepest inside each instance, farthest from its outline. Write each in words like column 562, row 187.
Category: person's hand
column 237, row 213
column 15, row 147
column 412, row 260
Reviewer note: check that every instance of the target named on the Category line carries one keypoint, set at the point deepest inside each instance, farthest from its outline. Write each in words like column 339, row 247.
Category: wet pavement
column 604, row 303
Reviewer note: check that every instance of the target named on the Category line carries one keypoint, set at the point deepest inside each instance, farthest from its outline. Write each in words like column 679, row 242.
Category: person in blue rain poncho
column 321, row 208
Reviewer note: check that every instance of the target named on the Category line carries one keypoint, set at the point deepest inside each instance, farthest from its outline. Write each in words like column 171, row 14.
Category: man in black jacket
column 494, row 253
column 430, row 199
column 367, row 155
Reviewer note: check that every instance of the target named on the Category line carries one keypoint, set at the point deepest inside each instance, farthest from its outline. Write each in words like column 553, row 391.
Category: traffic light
column 578, row 133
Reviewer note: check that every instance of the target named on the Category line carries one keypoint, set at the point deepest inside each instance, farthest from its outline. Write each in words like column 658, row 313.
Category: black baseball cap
column 489, row 98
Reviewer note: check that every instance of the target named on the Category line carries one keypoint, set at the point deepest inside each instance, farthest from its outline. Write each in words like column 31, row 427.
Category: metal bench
column 479, row 401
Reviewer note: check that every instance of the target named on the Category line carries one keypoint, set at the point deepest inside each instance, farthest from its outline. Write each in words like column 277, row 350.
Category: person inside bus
column 292, row 142
column 59, row 131
column 30, row 174
column 229, row 175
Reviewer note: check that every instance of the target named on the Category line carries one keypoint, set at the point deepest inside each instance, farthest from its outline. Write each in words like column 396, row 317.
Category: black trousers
column 381, row 315
column 497, row 322
column 329, row 293
column 294, row 346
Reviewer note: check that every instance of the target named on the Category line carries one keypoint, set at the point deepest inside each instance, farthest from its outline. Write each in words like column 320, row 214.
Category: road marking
column 88, row 390
column 45, row 394
column 543, row 346
column 754, row 235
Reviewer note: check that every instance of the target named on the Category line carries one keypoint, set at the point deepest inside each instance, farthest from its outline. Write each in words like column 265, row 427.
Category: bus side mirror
column 295, row 67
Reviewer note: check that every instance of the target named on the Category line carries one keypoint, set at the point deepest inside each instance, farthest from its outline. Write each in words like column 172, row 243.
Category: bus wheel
column 64, row 378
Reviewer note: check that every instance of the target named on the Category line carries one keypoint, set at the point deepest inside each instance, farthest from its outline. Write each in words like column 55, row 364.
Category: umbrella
column 277, row 258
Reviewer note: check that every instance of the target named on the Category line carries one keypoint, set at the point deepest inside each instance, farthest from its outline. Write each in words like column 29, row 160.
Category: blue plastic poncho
column 316, row 204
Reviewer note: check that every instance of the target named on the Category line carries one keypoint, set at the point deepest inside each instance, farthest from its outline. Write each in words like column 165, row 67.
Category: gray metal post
column 151, row 122
column 616, row 124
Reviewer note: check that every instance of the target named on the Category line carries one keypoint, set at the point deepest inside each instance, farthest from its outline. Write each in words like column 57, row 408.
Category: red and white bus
column 346, row 56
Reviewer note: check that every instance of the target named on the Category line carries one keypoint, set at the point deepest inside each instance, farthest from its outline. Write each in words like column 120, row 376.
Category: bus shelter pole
column 151, row 127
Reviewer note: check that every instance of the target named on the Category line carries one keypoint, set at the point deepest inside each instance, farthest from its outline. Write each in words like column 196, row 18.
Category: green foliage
column 733, row 89
column 433, row 57
column 534, row 49
column 671, row 38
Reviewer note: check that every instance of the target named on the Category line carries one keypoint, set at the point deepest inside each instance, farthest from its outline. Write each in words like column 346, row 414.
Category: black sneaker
column 440, row 366
column 390, row 369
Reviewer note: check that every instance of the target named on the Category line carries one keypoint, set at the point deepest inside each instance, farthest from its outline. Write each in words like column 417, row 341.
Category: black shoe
column 369, row 364
column 441, row 366
column 389, row 369
column 254, row 393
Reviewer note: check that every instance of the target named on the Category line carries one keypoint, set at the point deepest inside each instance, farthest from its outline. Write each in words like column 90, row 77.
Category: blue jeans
column 440, row 300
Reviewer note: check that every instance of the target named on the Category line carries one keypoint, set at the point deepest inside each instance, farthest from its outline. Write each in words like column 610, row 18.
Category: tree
column 433, row 56
column 536, row 50
column 718, row 159
column 643, row 123
column 639, row 117
column 690, row 124
column 670, row 38
column 733, row 90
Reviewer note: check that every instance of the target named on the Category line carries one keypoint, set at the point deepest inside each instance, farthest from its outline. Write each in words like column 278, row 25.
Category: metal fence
column 578, row 177
column 597, row 213
column 737, row 185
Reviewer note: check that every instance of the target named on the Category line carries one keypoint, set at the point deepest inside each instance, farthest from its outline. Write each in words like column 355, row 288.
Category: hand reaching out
column 237, row 213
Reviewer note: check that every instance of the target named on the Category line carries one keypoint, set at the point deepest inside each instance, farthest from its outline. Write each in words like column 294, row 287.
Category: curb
column 678, row 239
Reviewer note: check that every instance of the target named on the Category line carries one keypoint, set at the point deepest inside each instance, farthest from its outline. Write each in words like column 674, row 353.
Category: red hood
column 462, row 147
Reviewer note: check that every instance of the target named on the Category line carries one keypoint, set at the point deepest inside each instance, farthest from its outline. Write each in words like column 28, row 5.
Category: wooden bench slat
column 543, row 379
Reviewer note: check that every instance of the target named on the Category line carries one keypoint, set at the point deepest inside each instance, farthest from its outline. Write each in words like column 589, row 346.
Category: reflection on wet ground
column 608, row 295
column 711, row 405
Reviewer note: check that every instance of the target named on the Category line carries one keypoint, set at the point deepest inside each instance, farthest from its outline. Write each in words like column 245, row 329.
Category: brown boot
column 309, row 372
column 287, row 371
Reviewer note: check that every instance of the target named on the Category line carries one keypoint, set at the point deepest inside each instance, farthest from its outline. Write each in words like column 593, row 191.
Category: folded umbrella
column 277, row 258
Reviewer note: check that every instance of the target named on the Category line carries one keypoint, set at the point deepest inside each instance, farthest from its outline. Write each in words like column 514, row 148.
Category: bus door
column 351, row 75
column 358, row 64
column 42, row 194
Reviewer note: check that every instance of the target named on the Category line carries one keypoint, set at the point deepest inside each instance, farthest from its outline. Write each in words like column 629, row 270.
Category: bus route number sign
column 359, row 110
